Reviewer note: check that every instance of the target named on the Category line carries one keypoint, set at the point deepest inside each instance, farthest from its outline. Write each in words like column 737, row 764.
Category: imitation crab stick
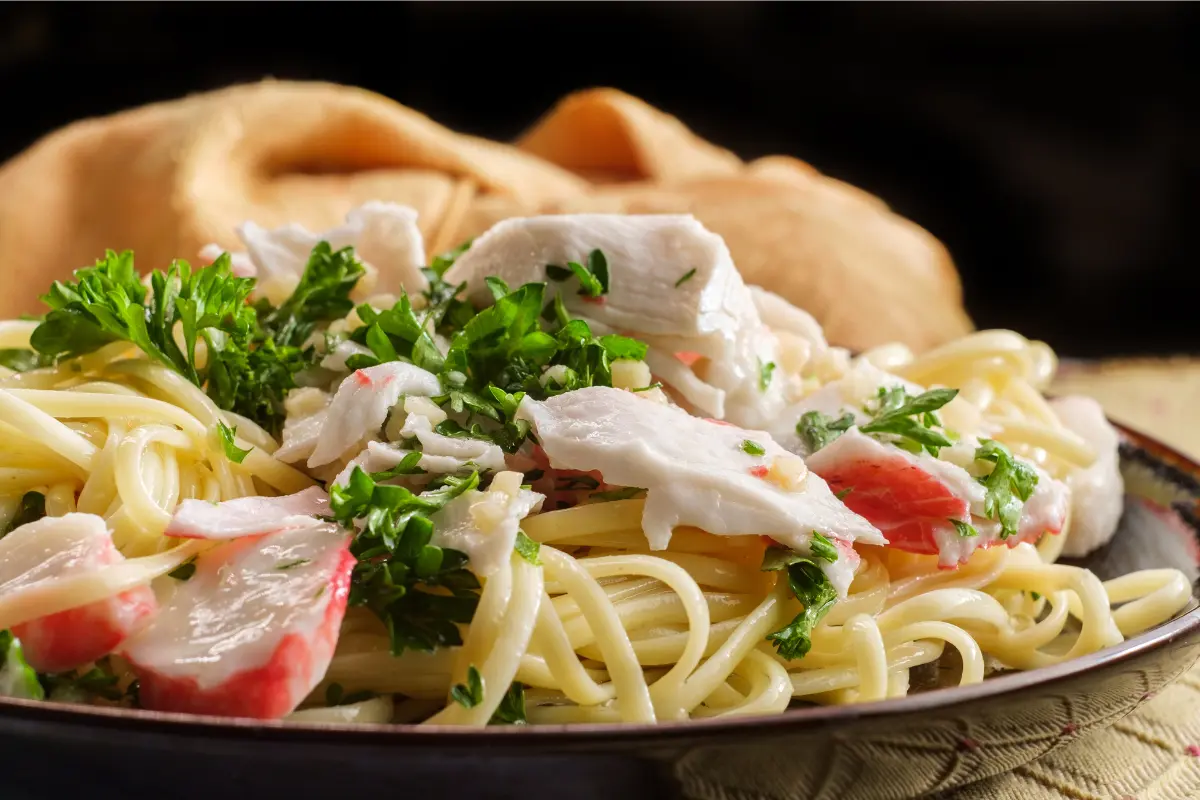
column 59, row 547
column 252, row 630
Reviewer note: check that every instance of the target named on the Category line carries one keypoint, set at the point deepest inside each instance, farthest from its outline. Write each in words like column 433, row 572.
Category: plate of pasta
column 571, row 488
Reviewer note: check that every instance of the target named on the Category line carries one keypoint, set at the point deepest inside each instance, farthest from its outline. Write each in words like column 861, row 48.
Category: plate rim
column 560, row 735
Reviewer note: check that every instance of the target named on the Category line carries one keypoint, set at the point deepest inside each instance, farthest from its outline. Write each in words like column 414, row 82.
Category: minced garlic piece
column 787, row 472
column 507, row 482
column 425, row 407
column 629, row 374
column 305, row 402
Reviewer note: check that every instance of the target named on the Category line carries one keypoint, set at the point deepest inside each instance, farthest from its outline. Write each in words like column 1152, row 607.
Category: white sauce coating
column 484, row 525
column 696, row 471
column 361, row 405
column 1098, row 491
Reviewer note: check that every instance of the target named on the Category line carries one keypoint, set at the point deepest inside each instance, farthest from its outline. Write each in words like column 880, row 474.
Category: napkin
column 165, row 179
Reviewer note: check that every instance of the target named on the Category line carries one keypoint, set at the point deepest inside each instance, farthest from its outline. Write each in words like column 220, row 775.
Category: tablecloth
column 1154, row 753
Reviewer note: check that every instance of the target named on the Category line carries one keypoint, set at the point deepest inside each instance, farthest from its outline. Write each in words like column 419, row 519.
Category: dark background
column 1052, row 147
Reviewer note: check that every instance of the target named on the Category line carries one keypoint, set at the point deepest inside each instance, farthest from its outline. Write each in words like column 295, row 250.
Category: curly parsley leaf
column 528, row 549
column 687, row 276
column 964, row 528
column 1009, row 485
column 184, row 571
column 397, row 333
column 511, row 710
column 911, row 418
column 818, row 430
column 469, row 694
column 822, row 547
column 322, row 295
column 814, row 591
column 252, row 356
column 234, row 453
column 31, row 509
column 421, row 592
column 752, row 447
column 766, row 370
column 17, row 678
column 76, row 687
column 20, row 360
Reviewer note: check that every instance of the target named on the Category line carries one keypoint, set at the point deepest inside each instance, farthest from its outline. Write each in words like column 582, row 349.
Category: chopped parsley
column 253, row 352
column 528, row 549
column 766, row 370
column 844, row 492
column 964, row 528
column 185, row 570
column 752, row 447
column 299, row 562
column 335, row 695
column 911, row 419
column 687, row 276
column 469, row 694
column 511, row 710
column 31, row 509
column 818, row 430
column 420, row 592
column 1009, row 485
column 73, row 687
column 19, row 360
column 593, row 277
column 655, row 385
column 822, row 547
column 234, row 453
column 814, row 591
column 17, row 678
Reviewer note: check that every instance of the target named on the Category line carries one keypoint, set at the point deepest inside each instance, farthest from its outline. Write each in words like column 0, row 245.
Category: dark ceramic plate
column 911, row 747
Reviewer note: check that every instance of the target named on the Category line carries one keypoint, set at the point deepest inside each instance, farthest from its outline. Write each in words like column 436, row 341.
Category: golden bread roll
column 166, row 179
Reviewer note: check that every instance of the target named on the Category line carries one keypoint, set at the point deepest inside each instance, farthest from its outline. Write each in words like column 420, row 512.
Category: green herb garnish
column 421, row 592
column 964, row 528
column 31, row 509
column 184, row 571
column 17, row 678
column 528, row 549
column 765, row 371
column 469, row 694
column 812, row 588
column 911, row 418
column 511, row 710
column 818, row 430
column 234, row 453
column 822, row 547
column 752, row 447
column 1009, row 485
column 687, row 276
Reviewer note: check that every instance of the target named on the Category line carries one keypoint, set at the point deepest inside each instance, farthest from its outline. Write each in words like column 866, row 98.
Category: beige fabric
column 1153, row 754
column 166, row 179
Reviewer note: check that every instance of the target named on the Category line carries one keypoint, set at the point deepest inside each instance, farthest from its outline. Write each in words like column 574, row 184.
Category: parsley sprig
column 253, row 352
column 811, row 587
column 1009, row 484
column 818, row 430
column 911, row 419
column 420, row 591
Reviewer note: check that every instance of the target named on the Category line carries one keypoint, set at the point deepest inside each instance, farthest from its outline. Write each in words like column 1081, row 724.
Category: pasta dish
column 572, row 471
